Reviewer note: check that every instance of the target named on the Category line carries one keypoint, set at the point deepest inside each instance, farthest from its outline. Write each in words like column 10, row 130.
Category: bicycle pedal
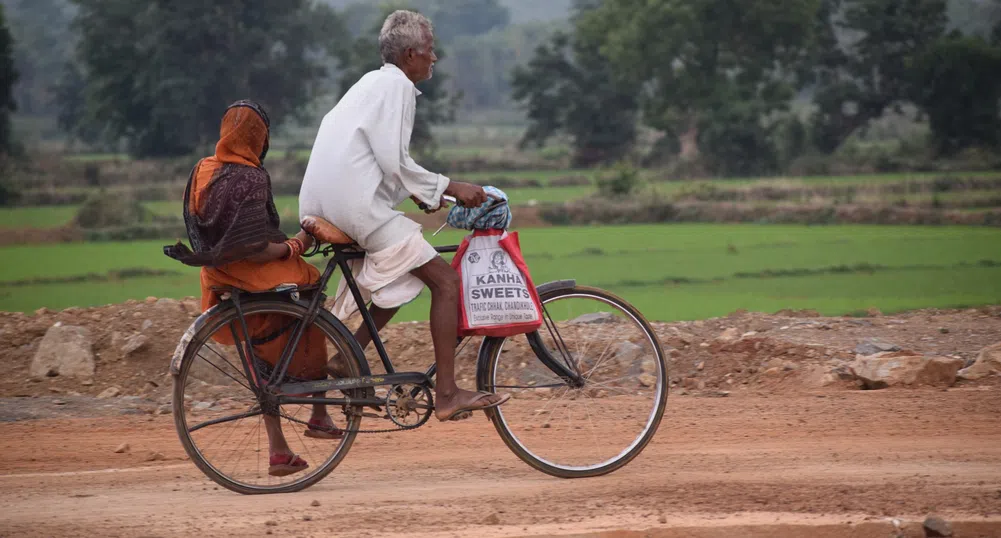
column 373, row 415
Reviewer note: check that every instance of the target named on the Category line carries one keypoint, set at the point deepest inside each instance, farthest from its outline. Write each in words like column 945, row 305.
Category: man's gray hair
column 401, row 31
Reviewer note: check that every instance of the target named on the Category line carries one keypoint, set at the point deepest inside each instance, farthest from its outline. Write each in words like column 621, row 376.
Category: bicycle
column 620, row 395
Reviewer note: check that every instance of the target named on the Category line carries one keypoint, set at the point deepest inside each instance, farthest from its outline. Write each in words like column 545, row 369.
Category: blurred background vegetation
column 586, row 112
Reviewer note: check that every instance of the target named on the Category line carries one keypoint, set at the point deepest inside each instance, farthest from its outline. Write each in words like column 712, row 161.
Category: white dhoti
column 384, row 278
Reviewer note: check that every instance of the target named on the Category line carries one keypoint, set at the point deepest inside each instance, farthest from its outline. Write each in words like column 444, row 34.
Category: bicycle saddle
column 324, row 231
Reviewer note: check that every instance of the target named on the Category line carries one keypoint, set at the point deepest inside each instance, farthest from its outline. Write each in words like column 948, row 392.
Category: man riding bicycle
column 359, row 170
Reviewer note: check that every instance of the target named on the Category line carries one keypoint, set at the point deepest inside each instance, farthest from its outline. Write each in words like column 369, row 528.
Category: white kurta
column 360, row 168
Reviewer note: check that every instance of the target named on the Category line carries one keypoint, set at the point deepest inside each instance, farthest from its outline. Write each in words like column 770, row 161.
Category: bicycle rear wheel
column 220, row 419
column 588, row 430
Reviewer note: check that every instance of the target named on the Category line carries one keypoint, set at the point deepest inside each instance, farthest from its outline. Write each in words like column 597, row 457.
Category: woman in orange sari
column 232, row 224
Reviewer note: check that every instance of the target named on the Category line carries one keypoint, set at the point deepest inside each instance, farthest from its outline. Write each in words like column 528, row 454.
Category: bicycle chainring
column 409, row 405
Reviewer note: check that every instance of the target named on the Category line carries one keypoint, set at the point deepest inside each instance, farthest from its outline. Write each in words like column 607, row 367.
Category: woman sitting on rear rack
column 232, row 225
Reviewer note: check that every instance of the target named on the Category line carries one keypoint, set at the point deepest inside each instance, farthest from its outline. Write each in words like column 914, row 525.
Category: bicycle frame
column 275, row 393
column 273, row 386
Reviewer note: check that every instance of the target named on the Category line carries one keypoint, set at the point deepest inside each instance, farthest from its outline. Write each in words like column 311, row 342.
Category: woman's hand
column 274, row 251
column 307, row 240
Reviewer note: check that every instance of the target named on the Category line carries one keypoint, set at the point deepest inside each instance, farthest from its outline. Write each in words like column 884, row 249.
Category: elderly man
column 360, row 169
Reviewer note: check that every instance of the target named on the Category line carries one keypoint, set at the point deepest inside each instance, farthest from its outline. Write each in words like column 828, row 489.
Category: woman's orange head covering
column 243, row 135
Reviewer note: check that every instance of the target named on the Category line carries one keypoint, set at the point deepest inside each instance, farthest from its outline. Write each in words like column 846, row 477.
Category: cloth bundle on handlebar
column 495, row 214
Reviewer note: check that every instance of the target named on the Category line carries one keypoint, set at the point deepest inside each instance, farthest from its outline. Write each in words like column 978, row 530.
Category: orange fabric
column 242, row 138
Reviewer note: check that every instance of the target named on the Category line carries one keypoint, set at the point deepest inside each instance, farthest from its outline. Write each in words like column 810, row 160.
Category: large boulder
column 905, row 368
column 65, row 350
column 988, row 362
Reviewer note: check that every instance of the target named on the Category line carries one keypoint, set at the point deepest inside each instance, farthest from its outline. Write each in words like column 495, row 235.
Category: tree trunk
column 689, row 141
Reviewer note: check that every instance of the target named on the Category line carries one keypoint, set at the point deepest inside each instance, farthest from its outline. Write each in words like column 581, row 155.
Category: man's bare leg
column 381, row 317
column 443, row 282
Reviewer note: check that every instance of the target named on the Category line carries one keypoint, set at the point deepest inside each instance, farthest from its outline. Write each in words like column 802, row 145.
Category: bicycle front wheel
column 599, row 424
column 222, row 423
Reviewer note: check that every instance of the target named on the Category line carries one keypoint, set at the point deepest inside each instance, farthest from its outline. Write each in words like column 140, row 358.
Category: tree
column 8, row 76
column 162, row 79
column 485, row 63
column 456, row 18
column 568, row 88
column 435, row 106
column 958, row 84
column 690, row 58
column 870, row 70
column 44, row 43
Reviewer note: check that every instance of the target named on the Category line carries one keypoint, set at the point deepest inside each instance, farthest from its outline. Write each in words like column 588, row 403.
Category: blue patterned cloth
column 487, row 216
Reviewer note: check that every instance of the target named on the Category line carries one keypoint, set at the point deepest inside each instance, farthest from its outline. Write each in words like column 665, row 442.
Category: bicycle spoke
column 244, row 385
column 223, row 420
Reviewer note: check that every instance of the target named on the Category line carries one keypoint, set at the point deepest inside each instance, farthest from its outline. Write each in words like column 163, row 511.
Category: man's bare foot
column 449, row 406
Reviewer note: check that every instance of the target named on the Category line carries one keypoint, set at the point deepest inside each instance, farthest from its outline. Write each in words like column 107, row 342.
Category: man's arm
column 388, row 132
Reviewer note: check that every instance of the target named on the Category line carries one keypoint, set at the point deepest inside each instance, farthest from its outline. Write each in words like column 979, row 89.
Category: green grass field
column 670, row 272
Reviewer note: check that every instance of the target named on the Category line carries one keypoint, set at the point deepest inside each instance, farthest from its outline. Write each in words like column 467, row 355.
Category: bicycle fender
column 555, row 285
column 200, row 321
column 483, row 359
column 196, row 325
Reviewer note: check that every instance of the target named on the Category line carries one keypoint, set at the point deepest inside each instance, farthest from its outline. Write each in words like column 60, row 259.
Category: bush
column 623, row 180
column 112, row 210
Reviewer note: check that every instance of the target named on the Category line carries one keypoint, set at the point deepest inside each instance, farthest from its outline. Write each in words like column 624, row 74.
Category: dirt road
column 837, row 463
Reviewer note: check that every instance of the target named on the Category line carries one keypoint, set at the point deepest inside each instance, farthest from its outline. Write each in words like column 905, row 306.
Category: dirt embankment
column 131, row 344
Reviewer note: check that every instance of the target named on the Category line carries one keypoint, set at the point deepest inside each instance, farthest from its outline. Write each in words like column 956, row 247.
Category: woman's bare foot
column 285, row 463
column 321, row 426
column 448, row 406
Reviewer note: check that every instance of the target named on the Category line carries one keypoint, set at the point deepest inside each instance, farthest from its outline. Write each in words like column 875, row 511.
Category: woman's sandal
column 466, row 410
column 286, row 464
column 319, row 430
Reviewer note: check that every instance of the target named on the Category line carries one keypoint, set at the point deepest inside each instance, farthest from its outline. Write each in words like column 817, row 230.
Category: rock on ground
column 109, row 392
column 936, row 526
column 873, row 346
column 903, row 368
column 988, row 362
column 627, row 352
column 65, row 350
column 729, row 335
column 134, row 343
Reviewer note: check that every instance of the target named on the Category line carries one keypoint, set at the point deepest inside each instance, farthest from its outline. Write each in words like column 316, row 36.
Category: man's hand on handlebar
column 442, row 204
column 466, row 194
